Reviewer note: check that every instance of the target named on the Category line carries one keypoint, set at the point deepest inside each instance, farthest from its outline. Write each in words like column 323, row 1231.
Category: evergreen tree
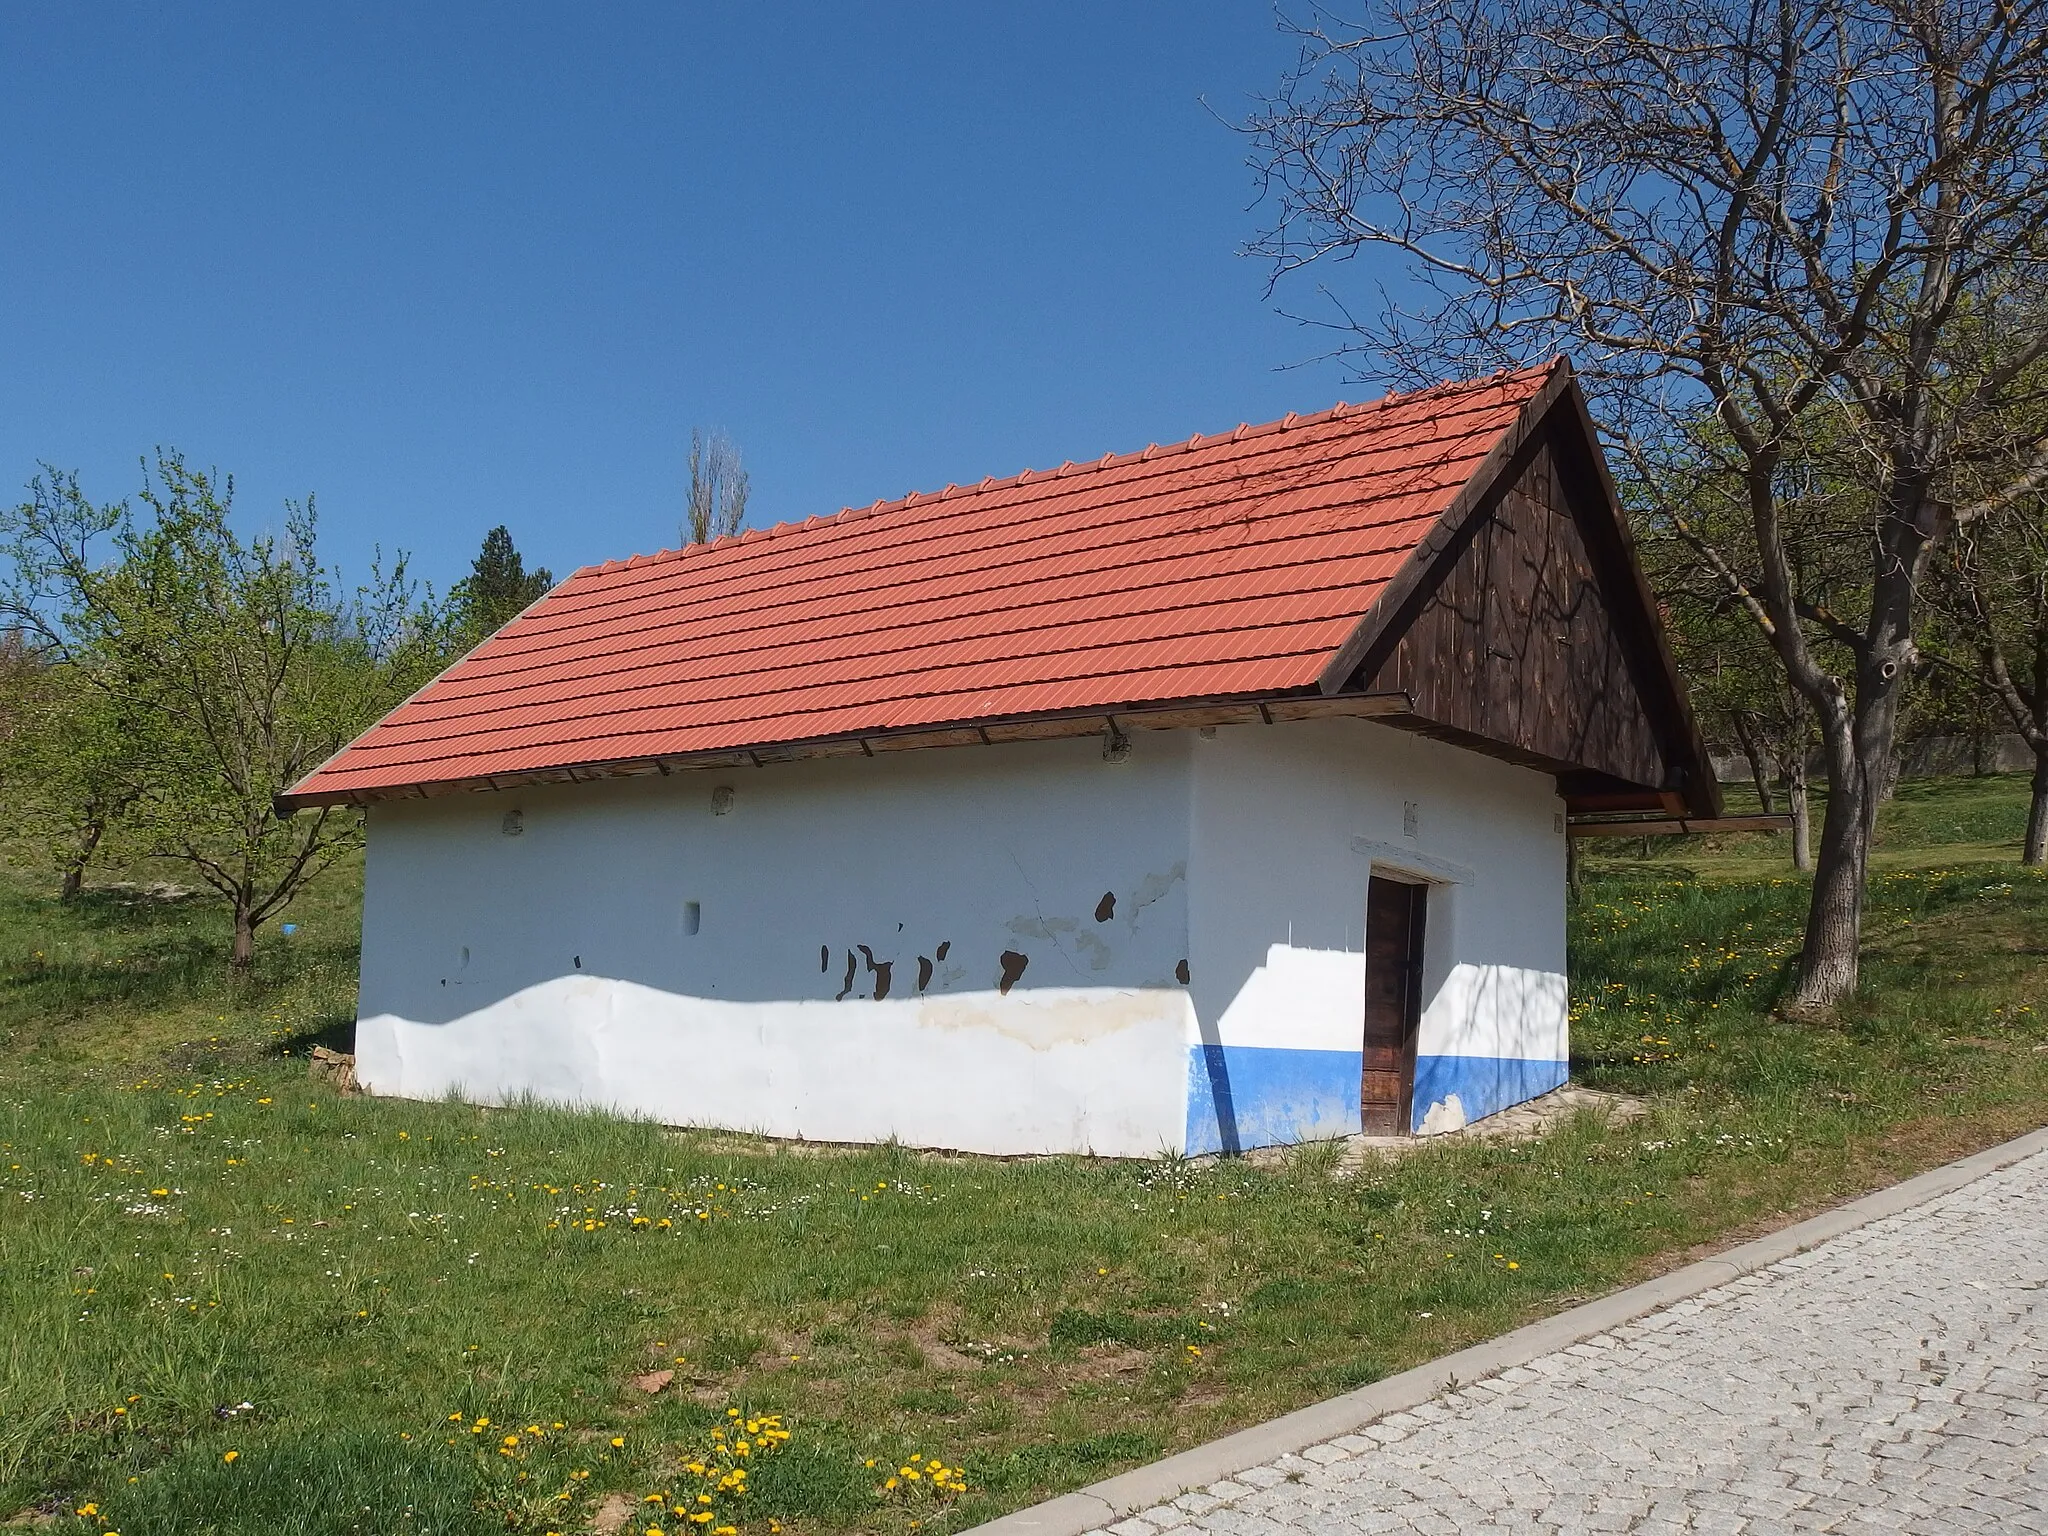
column 497, row 589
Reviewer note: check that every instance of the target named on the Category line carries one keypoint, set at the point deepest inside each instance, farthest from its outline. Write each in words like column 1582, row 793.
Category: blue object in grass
column 289, row 929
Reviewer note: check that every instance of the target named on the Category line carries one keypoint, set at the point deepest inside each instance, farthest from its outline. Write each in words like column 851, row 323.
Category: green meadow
column 237, row 1300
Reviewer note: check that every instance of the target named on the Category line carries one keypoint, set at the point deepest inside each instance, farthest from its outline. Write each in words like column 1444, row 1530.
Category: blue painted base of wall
column 1484, row 1085
column 1242, row 1096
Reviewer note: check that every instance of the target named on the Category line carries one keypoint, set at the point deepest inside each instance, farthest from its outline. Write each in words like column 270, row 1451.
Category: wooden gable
column 1524, row 629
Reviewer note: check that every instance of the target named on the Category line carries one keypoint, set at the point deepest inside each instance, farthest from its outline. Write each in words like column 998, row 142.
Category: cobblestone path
column 1893, row 1379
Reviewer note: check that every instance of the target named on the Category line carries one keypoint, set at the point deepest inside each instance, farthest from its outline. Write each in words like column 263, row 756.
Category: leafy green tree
column 233, row 667
column 69, row 761
column 496, row 591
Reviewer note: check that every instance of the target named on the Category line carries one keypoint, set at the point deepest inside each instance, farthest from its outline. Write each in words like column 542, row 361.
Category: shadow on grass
column 335, row 1031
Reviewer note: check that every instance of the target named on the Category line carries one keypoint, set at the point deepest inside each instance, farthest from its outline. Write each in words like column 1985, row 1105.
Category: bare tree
column 1775, row 217
column 1993, row 586
column 717, row 505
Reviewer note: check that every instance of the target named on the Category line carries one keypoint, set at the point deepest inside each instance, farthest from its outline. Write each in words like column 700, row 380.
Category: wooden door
column 1394, row 911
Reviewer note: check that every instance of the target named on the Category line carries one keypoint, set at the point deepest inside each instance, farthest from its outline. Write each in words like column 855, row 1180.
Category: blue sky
column 453, row 265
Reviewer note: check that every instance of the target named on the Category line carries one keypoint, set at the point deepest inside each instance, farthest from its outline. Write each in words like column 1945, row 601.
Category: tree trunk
column 2036, row 850
column 1753, row 751
column 81, row 856
column 1802, row 823
column 1834, row 919
column 1857, row 738
column 245, row 934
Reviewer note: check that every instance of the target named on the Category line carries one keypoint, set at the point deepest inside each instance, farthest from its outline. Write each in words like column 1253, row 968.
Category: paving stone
column 1892, row 1379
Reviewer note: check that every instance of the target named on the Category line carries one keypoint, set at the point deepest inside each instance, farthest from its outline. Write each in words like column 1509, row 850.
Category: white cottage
column 1202, row 798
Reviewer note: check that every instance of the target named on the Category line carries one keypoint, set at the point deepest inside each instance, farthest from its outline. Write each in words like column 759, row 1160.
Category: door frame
column 1411, row 993
column 1440, row 877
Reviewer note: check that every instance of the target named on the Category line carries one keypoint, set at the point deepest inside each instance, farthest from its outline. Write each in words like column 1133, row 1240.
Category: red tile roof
column 1222, row 567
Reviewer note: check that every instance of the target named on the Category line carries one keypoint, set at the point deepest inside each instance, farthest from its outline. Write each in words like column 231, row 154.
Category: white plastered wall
column 1288, row 825
column 844, row 981
column 558, row 963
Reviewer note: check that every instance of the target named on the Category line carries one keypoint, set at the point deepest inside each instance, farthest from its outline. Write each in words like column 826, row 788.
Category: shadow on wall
column 1119, row 944
column 1500, row 1037
column 1284, row 1062
column 853, row 977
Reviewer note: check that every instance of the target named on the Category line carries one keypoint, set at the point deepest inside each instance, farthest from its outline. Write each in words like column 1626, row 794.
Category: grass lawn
column 235, row 1300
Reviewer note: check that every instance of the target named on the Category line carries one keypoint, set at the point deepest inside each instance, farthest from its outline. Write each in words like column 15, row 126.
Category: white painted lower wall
column 1091, row 1069
column 977, row 948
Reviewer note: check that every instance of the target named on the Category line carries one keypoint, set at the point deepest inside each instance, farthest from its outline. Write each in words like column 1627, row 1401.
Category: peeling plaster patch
column 924, row 973
column 1099, row 954
column 939, row 954
column 1446, row 1114
column 1049, row 928
column 1180, row 973
column 1154, row 888
column 1105, row 909
column 883, row 970
column 851, row 963
column 824, row 959
column 1013, row 967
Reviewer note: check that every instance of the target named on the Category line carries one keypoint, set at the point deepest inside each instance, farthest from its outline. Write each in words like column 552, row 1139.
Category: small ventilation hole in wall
column 693, row 917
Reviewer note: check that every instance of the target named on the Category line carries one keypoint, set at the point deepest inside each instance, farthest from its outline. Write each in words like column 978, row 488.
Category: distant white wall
column 845, row 979
column 981, row 948
column 1288, row 824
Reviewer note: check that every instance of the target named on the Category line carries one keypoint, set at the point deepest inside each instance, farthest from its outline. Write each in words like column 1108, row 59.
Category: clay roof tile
column 1223, row 565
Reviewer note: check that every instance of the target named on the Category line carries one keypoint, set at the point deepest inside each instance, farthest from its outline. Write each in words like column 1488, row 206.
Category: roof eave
column 1173, row 714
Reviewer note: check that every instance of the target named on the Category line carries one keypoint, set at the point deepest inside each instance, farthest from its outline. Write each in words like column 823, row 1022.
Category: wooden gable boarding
column 1523, row 628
